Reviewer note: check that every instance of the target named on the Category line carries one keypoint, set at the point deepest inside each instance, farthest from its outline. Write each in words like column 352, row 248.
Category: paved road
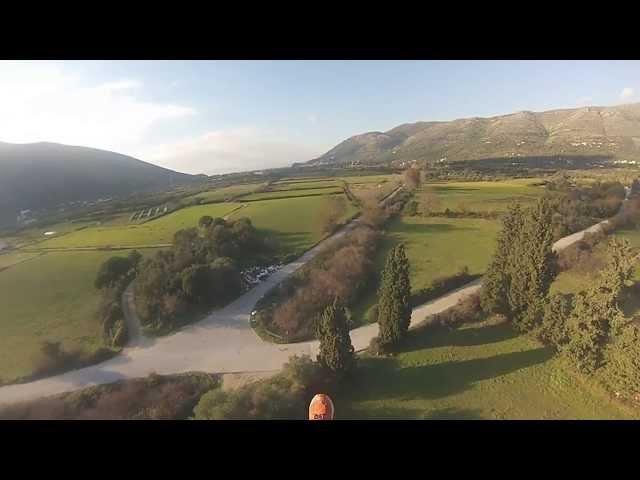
column 224, row 342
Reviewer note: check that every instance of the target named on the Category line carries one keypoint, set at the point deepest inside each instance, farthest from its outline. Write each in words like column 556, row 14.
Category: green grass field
column 292, row 193
column 439, row 247
column 436, row 247
column 36, row 234
column 48, row 298
column 154, row 232
column 10, row 259
column 481, row 371
column 316, row 184
column 368, row 179
column 220, row 194
column 294, row 222
column 483, row 196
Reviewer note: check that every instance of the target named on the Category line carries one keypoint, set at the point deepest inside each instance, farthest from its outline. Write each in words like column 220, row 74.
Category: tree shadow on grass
column 426, row 228
column 431, row 336
column 384, row 379
column 398, row 412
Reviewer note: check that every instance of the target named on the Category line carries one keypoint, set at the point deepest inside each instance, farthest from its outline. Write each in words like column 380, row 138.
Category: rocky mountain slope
column 580, row 131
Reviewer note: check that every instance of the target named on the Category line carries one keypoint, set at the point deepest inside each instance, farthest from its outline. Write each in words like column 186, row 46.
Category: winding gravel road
column 223, row 342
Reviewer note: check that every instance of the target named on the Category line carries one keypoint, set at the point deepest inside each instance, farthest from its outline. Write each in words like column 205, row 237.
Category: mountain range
column 612, row 131
column 40, row 175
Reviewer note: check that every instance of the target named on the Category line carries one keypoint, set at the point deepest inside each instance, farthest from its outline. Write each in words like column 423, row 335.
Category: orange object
column 321, row 407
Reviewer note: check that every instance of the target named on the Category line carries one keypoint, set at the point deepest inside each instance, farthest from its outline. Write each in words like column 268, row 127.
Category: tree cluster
column 523, row 266
column 576, row 208
column 200, row 271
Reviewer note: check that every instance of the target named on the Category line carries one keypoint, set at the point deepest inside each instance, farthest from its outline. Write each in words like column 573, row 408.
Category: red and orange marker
column 321, row 408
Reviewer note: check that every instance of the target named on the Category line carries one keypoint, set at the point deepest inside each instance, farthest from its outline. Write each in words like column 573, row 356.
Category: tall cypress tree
column 394, row 305
column 496, row 281
column 336, row 351
column 533, row 266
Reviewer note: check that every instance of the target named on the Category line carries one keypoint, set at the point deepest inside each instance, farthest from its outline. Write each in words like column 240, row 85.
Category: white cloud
column 313, row 118
column 46, row 101
column 627, row 93
column 229, row 150
column 43, row 101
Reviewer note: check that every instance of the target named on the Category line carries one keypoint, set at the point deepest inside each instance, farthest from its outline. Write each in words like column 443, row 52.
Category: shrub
column 284, row 396
column 344, row 271
column 442, row 285
column 467, row 310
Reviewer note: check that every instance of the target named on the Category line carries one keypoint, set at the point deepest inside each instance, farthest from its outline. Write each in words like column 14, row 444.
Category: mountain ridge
column 45, row 174
column 589, row 130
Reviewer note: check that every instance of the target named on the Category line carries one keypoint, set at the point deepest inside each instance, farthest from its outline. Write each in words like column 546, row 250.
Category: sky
column 217, row 117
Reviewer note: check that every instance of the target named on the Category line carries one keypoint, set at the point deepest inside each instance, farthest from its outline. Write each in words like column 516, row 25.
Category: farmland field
column 220, row 194
column 481, row 371
column 308, row 185
column 36, row 234
column 9, row 259
column 154, row 232
column 368, row 179
column 294, row 222
column 48, row 298
column 483, row 196
column 375, row 189
column 439, row 247
column 435, row 247
column 292, row 193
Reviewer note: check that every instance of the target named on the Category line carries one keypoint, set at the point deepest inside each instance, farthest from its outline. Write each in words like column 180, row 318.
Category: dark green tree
column 197, row 283
column 532, row 267
column 113, row 271
column 394, row 306
column 205, row 221
column 597, row 312
column 336, row 351
column 496, row 281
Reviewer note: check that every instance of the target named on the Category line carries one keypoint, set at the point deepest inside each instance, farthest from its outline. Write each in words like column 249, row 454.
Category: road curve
column 224, row 341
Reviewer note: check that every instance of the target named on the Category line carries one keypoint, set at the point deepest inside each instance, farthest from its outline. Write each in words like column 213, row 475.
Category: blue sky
column 221, row 116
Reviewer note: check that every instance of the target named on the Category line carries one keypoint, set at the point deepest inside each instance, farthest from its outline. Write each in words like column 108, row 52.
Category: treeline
column 576, row 208
column 202, row 270
column 113, row 277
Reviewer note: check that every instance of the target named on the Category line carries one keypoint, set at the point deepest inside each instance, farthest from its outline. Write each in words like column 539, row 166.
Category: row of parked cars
column 253, row 276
